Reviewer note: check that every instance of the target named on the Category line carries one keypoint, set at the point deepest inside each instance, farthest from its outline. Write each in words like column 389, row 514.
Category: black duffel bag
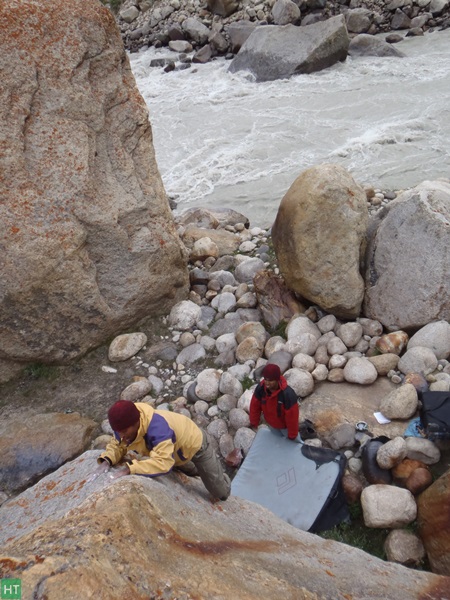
column 435, row 414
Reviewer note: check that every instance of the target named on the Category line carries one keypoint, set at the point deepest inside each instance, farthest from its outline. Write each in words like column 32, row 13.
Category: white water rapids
column 222, row 140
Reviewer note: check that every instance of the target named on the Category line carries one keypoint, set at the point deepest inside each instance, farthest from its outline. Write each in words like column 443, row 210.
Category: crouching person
column 168, row 439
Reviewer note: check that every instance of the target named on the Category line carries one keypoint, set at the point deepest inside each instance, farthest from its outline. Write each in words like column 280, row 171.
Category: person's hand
column 102, row 468
column 119, row 472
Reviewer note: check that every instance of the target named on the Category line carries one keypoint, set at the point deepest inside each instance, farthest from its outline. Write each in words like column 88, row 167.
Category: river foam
column 223, row 140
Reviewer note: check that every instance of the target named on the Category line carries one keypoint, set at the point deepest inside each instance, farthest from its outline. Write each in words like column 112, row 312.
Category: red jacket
column 280, row 408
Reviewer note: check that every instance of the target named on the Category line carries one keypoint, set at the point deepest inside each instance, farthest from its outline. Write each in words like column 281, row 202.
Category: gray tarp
column 293, row 480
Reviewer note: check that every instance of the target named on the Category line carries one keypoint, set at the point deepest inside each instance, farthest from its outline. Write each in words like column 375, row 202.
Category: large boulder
column 136, row 536
column 278, row 52
column 88, row 242
column 35, row 444
column 319, row 235
column 407, row 262
column 434, row 525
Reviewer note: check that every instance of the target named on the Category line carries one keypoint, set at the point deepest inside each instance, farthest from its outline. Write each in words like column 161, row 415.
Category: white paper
column 381, row 418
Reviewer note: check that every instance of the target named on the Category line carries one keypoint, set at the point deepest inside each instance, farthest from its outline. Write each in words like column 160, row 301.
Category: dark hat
column 123, row 414
column 271, row 372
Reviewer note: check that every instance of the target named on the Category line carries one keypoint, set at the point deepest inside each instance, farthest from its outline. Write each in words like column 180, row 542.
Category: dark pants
column 210, row 470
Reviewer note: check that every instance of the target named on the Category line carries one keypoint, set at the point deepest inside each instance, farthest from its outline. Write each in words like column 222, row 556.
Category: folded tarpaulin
column 299, row 483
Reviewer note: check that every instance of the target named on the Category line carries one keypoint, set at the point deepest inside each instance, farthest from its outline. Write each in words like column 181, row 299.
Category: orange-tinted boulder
column 402, row 471
column 433, row 519
column 419, row 480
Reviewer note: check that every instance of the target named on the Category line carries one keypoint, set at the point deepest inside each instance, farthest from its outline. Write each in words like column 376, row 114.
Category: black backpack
column 435, row 414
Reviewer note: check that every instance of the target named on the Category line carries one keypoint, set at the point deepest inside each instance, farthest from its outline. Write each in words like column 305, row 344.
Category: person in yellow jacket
column 164, row 440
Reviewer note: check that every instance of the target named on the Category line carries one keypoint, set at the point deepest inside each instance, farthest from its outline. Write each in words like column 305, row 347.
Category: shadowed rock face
column 407, row 261
column 88, row 244
column 141, row 538
column 34, row 446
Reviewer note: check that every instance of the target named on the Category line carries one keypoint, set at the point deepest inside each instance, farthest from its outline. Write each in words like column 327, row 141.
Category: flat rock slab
column 31, row 447
column 333, row 404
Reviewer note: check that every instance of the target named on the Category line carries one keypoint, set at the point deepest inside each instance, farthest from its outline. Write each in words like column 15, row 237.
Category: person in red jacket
column 277, row 401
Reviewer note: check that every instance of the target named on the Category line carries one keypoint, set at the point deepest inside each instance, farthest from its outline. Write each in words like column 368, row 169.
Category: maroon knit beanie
column 123, row 414
column 271, row 372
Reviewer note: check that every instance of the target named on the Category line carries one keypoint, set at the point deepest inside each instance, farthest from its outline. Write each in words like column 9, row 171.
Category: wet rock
column 368, row 45
column 238, row 33
column 273, row 53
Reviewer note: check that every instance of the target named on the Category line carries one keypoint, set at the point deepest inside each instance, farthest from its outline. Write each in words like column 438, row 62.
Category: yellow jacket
column 167, row 438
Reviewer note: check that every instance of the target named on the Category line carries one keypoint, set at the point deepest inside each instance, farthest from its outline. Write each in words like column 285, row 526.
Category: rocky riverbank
column 219, row 27
column 203, row 360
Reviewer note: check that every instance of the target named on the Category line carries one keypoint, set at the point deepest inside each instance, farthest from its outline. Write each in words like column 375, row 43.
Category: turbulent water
column 222, row 140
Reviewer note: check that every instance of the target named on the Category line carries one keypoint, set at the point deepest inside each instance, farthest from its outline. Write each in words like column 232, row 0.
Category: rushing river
column 222, row 140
